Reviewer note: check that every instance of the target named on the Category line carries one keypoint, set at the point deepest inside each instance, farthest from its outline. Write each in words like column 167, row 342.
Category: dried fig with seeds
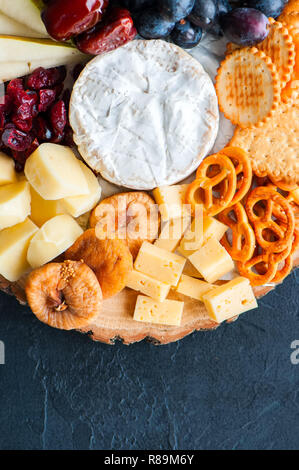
column 110, row 259
column 64, row 295
column 131, row 216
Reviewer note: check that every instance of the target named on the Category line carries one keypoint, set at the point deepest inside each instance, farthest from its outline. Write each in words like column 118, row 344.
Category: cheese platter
column 149, row 162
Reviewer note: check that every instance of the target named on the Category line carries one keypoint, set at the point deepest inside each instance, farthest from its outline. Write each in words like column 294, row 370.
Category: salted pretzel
column 202, row 190
column 258, row 279
column 243, row 239
column 264, row 220
column 243, row 170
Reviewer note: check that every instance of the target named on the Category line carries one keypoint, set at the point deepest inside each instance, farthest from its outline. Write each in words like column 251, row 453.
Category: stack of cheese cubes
column 38, row 209
column 189, row 258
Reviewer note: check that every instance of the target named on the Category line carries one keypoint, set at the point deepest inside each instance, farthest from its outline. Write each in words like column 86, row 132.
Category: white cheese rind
column 144, row 115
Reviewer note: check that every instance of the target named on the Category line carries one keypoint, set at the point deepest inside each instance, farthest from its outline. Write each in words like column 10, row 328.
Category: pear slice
column 22, row 49
column 14, row 28
column 27, row 12
column 11, row 70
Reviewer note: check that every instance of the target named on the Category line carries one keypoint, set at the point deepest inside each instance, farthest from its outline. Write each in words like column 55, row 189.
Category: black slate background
column 234, row 388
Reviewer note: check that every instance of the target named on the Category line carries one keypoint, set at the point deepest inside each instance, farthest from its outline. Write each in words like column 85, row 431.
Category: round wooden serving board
column 116, row 319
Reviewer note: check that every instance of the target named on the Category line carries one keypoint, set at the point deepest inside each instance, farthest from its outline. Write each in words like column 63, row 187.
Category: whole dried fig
column 110, row 259
column 131, row 216
column 64, row 295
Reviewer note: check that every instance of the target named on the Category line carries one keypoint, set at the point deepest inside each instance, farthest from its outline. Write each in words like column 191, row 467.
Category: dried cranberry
column 21, row 157
column 58, row 117
column 26, row 103
column 46, row 99
column 77, row 70
column 66, row 98
column 16, row 140
column 116, row 30
column 24, row 125
column 2, row 119
column 57, row 137
column 58, row 89
column 68, row 136
column 42, row 129
column 15, row 86
column 45, row 78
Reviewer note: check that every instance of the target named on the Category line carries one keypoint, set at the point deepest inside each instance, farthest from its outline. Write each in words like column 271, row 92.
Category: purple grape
column 245, row 26
column 272, row 8
column 175, row 10
column 152, row 25
column 186, row 34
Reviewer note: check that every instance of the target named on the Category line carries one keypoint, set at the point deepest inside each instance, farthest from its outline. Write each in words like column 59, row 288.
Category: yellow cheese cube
column 171, row 200
column 190, row 270
column 52, row 239
column 14, row 242
column 230, row 299
column 14, row 204
column 78, row 205
column 159, row 264
column 54, row 172
column 171, row 234
column 42, row 210
column 147, row 285
column 212, row 261
column 193, row 238
column 213, row 228
column 149, row 310
column 193, row 287
column 7, row 170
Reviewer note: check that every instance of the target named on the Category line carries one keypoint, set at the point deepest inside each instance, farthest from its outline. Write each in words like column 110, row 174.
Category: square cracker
column 274, row 147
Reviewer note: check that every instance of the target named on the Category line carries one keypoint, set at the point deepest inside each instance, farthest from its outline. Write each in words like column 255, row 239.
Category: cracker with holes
column 273, row 148
column 248, row 87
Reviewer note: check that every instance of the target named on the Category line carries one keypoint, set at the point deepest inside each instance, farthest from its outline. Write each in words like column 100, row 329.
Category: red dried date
column 67, row 18
column 116, row 30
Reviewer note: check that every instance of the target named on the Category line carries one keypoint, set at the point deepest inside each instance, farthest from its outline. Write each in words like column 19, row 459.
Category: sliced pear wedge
column 14, row 28
column 27, row 12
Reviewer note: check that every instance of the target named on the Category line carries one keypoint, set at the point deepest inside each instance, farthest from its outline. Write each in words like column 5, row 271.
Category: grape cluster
column 183, row 21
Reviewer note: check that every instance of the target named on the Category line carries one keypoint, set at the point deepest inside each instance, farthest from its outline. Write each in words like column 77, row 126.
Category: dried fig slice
column 110, row 259
column 131, row 216
column 64, row 295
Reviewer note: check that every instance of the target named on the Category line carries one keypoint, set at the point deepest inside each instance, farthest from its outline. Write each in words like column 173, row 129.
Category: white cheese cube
column 52, row 239
column 78, row 205
column 7, row 170
column 14, row 204
column 54, row 172
column 14, row 242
